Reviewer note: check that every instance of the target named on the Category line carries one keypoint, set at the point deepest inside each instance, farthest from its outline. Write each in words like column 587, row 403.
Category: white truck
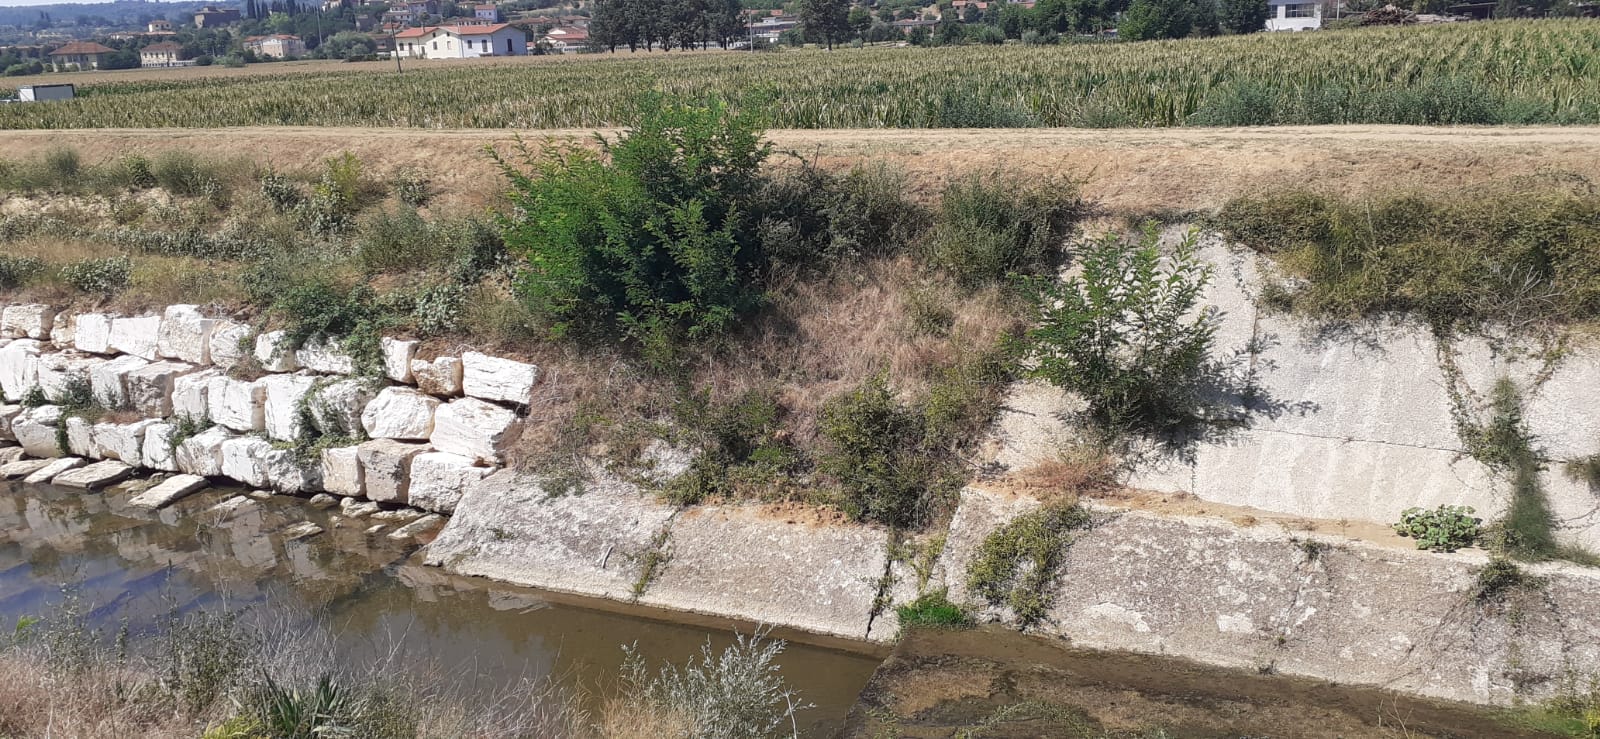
column 39, row 93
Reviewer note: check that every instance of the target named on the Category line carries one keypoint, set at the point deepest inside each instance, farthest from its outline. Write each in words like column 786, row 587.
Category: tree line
column 667, row 24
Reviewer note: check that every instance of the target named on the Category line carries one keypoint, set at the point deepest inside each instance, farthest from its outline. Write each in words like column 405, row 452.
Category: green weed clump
column 1444, row 529
column 740, row 446
column 933, row 610
column 1018, row 563
column 1520, row 255
column 99, row 276
column 993, row 224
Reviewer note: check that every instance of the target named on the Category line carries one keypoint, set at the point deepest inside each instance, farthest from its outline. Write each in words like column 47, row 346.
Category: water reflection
column 138, row 566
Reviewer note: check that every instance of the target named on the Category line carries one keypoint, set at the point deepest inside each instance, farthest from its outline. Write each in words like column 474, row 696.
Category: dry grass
column 819, row 338
column 630, row 718
column 1079, row 471
column 37, row 700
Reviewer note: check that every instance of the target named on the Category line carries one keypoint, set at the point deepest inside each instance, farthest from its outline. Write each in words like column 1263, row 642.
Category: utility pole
column 394, row 47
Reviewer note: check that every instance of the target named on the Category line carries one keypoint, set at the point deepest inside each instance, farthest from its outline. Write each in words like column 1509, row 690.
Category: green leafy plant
column 738, row 441
column 877, row 452
column 99, row 276
column 1443, row 529
column 643, row 241
column 992, row 224
column 14, row 271
column 933, row 610
column 1127, row 333
column 1018, row 563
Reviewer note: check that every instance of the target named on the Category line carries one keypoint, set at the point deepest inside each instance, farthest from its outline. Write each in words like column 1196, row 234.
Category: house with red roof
column 567, row 39
column 79, row 55
column 461, row 42
column 162, row 54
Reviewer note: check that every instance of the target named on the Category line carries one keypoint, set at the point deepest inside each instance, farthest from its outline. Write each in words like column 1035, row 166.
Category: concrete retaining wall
column 1352, row 422
column 1344, row 611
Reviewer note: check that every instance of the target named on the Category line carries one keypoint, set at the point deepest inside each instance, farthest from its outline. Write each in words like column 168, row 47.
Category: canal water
column 130, row 566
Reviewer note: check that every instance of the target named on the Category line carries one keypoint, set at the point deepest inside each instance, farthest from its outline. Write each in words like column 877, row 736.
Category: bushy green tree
column 1127, row 333
column 646, row 240
column 1148, row 20
column 1242, row 16
column 825, row 21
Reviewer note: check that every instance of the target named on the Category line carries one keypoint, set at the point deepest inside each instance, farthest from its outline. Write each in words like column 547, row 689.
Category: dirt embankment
column 1127, row 171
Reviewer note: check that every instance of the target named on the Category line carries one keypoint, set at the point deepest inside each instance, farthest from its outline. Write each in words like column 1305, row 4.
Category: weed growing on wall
column 1127, row 333
column 1017, row 564
column 933, row 609
column 1444, row 529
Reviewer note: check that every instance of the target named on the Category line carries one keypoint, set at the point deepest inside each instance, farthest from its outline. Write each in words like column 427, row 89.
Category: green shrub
column 647, row 246
column 933, row 610
column 319, row 309
column 738, row 441
column 138, row 171
column 1126, row 333
column 1444, row 529
column 62, row 166
column 811, row 220
column 993, row 224
column 14, row 271
column 877, row 451
column 281, row 192
column 99, row 276
column 412, row 188
column 438, row 308
column 1498, row 578
column 397, row 241
column 1017, row 564
column 181, row 173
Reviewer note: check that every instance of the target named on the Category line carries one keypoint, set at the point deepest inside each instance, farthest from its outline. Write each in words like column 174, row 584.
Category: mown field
column 1471, row 73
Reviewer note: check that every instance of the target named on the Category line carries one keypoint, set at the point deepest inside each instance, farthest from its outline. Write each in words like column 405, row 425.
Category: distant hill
column 118, row 13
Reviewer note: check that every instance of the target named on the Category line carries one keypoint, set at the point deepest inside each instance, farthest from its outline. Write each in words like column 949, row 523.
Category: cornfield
column 1538, row 71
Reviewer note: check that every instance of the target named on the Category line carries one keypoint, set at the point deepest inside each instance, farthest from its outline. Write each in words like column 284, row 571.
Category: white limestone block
column 397, row 356
column 50, row 471
column 109, row 380
column 185, row 334
column 236, row 404
column 282, row 397
column 61, row 372
column 325, row 356
column 336, row 407
column 191, row 394
column 475, row 429
column 287, row 474
column 440, row 376
column 91, row 332
column 137, row 336
column 150, row 387
column 493, row 378
column 31, row 321
column 156, row 450
column 122, row 441
column 19, row 368
column 35, row 429
column 80, row 438
column 439, row 478
column 61, row 330
column 400, row 413
column 386, row 468
column 201, row 454
column 274, row 354
column 169, row 491
column 341, row 471
column 19, row 468
column 94, row 476
column 229, row 343
column 417, row 528
column 244, row 459
column 8, row 415
column 9, row 454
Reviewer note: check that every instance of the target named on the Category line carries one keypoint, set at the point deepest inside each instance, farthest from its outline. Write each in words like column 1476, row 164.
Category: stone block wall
column 430, row 426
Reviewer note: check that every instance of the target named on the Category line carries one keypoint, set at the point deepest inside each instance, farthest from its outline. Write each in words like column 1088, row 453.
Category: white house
column 1293, row 15
column 162, row 54
column 566, row 39
column 461, row 42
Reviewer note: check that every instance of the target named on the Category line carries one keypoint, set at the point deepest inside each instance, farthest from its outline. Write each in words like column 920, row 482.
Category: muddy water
column 136, row 566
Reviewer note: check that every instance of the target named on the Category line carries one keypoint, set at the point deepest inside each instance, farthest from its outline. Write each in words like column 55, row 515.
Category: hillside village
column 158, row 35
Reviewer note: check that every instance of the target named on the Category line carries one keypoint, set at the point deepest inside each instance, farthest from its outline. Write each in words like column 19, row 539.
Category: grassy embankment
column 1477, row 73
column 236, row 675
